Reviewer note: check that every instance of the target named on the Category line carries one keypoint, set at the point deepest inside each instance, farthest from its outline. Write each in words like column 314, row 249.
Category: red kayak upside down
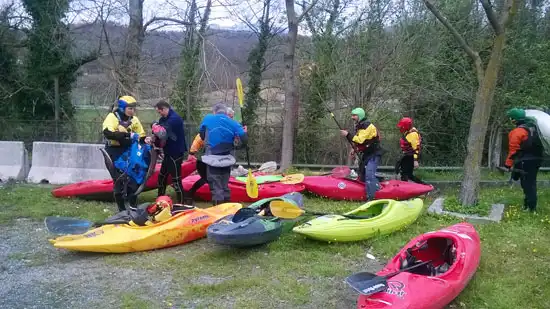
column 353, row 190
column 455, row 253
column 103, row 189
column 238, row 190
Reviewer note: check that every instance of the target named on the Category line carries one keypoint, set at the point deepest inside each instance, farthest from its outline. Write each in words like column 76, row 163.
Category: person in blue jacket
column 219, row 132
column 174, row 149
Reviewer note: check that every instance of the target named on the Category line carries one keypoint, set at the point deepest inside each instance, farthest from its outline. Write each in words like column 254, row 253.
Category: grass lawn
column 296, row 272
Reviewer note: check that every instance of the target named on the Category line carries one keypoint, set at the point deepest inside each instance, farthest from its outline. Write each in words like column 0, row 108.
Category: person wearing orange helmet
column 410, row 144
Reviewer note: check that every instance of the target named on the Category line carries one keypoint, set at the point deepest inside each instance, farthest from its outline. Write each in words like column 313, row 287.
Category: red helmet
column 160, row 203
column 405, row 124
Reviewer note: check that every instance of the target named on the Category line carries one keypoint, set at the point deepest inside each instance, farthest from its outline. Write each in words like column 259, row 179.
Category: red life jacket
column 407, row 147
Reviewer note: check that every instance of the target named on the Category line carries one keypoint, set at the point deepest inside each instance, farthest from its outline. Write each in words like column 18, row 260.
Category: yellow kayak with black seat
column 180, row 228
column 378, row 217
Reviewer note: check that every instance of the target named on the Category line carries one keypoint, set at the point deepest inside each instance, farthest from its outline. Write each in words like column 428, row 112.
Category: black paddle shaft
column 340, row 127
column 406, row 269
column 347, row 216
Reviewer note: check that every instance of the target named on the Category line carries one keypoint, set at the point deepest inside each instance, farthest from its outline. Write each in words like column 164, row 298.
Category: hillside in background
column 225, row 57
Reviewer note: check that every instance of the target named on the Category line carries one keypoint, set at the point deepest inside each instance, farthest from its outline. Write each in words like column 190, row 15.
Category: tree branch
column 156, row 19
column 306, row 11
column 492, row 16
column 473, row 54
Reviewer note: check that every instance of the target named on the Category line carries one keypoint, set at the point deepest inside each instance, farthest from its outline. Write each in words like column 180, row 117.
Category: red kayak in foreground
column 238, row 190
column 353, row 190
column 455, row 253
column 103, row 189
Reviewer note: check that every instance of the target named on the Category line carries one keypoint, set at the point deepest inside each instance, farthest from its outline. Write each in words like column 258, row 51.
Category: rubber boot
column 120, row 202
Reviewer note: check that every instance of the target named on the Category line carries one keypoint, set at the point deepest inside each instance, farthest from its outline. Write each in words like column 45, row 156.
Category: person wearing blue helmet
column 120, row 128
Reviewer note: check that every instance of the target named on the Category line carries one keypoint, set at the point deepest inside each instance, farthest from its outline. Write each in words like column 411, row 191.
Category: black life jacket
column 532, row 146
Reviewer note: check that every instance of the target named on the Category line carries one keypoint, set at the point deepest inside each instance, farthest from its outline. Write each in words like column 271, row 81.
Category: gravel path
column 37, row 275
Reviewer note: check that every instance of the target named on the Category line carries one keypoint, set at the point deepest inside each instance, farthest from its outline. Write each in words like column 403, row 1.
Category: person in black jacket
column 174, row 150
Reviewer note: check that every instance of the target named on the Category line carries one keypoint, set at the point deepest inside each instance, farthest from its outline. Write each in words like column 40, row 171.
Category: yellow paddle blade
column 285, row 210
column 292, row 179
column 251, row 185
column 240, row 92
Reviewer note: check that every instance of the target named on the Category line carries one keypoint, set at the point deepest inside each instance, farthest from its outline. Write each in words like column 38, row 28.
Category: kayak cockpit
column 371, row 209
column 441, row 251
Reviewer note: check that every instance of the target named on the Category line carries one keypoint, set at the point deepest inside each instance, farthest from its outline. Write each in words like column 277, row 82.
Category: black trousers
column 407, row 170
column 171, row 166
column 218, row 180
column 529, row 182
column 202, row 170
column 124, row 186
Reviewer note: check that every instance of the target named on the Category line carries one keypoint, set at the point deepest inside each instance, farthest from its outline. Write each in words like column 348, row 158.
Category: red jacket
column 515, row 138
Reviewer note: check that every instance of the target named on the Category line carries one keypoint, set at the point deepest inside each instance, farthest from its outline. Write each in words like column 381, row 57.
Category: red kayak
column 103, row 189
column 353, row 190
column 455, row 253
column 238, row 190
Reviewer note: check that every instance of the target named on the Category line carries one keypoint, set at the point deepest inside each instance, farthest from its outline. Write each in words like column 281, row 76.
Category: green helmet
column 516, row 114
column 359, row 112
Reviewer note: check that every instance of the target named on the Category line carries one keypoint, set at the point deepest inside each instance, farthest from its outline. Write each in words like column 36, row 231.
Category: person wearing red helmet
column 410, row 143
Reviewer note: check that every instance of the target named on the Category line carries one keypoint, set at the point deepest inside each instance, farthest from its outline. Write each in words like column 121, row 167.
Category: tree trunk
column 479, row 123
column 495, row 150
column 291, row 91
column 129, row 70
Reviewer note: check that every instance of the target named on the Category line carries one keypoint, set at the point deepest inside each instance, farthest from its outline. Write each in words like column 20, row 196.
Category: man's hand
column 415, row 164
column 344, row 133
column 148, row 140
column 352, row 154
column 191, row 157
column 245, row 129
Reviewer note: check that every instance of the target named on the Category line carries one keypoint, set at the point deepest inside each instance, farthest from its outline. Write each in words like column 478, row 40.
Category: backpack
column 542, row 127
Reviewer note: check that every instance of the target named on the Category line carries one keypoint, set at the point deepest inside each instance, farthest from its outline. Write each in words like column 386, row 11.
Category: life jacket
column 370, row 146
column 532, row 146
column 135, row 161
column 407, row 147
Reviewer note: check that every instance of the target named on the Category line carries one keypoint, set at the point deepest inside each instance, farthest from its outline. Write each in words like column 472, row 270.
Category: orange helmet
column 405, row 124
column 160, row 203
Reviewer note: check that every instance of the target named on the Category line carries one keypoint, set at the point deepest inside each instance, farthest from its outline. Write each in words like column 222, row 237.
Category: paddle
column 267, row 167
column 368, row 283
column 68, row 225
column 251, row 185
column 286, row 210
column 290, row 179
column 339, row 172
column 340, row 127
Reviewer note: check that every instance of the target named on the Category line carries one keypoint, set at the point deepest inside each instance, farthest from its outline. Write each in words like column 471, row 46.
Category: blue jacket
column 175, row 144
column 135, row 161
column 218, row 131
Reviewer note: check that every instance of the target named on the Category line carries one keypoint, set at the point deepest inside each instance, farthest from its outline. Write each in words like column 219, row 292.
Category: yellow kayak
column 386, row 216
column 121, row 238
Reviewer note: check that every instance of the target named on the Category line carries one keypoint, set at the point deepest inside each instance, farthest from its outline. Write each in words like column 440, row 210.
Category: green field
column 292, row 272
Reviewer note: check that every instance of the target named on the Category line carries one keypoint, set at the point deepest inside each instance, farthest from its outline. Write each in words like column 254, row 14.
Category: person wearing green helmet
column 524, row 153
column 367, row 145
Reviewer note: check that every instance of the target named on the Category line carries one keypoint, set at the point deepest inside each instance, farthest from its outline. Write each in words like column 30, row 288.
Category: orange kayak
column 182, row 228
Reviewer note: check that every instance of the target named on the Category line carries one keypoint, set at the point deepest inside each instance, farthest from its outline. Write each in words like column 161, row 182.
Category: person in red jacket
column 525, row 154
column 410, row 144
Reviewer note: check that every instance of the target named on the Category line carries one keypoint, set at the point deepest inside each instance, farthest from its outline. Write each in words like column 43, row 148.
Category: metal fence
column 322, row 145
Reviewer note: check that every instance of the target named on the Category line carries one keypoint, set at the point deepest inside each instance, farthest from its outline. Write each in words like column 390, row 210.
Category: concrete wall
column 64, row 163
column 14, row 161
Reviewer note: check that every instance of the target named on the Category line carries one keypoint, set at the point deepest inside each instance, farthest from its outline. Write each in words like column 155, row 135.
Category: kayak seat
column 441, row 251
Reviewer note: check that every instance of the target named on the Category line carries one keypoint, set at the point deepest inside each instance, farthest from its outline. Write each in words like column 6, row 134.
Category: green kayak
column 381, row 217
column 261, row 179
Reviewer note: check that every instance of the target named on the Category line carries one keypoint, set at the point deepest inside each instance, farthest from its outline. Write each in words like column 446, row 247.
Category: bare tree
column 487, row 79
column 291, row 107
